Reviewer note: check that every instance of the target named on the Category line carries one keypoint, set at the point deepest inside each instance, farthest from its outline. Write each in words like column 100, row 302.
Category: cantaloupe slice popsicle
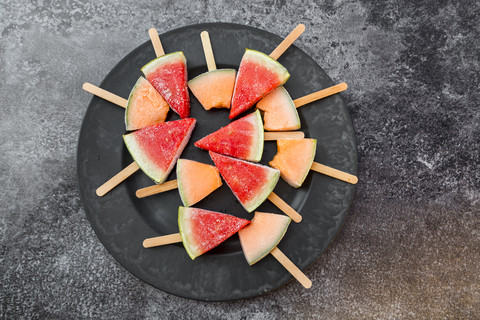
column 200, row 230
column 262, row 236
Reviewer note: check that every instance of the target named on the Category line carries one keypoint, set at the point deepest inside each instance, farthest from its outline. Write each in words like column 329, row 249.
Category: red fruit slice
column 258, row 74
column 168, row 74
column 250, row 182
column 156, row 148
column 241, row 139
column 214, row 89
column 203, row 230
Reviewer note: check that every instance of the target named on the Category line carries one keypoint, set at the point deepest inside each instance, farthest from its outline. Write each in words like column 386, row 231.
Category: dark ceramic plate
column 122, row 222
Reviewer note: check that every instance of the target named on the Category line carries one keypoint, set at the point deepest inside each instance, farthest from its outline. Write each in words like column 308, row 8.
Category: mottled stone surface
column 408, row 249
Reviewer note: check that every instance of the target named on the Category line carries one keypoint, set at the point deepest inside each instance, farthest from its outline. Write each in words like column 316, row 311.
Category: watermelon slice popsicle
column 262, row 236
column 252, row 183
column 214, row 88
column 259, row 74
column 294, row 159
column 200, row 230
column 155, row 149
column 280, row 111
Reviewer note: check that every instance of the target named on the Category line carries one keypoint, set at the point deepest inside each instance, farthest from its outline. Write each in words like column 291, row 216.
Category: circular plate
column 122, row 222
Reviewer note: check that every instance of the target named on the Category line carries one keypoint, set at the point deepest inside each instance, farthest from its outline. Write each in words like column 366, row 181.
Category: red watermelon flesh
column 168, row 74
column 156, row 148
column 241, row 139
column 250, row 182
column 258, row 74
column 203, row 230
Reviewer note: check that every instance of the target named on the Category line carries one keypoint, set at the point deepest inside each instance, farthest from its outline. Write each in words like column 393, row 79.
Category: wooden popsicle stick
column 287, row 42
column 329, row 171
column 282, row 205
column 274, row 135
column 320, row 94
column 117, row 179
column 163, row 240
column 157, row 44
column 158, row 188
column 292, row 268
column 104, row 94
column 207, row 49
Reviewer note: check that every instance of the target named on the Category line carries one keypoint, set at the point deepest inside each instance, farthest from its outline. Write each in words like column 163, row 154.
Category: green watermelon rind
column 264, row 254
column 183, row 195
column 274, row 176
column 292, row 111
column 201, row 76
column 160, row 176
column 182, row 227
column 162, row 60
column 257, row 153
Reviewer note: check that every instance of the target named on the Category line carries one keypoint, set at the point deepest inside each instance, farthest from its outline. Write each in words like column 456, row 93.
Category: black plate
column 122, row 222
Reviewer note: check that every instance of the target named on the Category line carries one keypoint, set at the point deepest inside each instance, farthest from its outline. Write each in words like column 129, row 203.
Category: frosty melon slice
column 294, row 159
column 262, row 235
column 145, row 106
column 250, row 182
column 258, row 74
column 241, row 139
column 280, row 111
column 168, row 74
column 214, row 89
column 156, row 148
column 196, row 180
column 202, row 230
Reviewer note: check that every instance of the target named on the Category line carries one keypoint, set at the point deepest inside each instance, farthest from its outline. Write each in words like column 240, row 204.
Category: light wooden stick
column 157, row 44
column 282, row 205
column 292, row 268
column 207, row 49
column 274, row 135
column 104, row 94
column 117, row 179
column 320, row 94
column 158, row 188
column 287, row 42
column 163, row 240
column 329, row 171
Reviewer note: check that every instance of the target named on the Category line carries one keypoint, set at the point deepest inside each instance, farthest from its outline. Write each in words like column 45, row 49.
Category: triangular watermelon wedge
column 145, row 106
column 156, row 148
column 250, row 182
column 168, row 74
column 262, row 235
column 258, row 74
column 196, row 180
column 202, row 230
column 280, row 113
column 294, row 159
column 241, row 139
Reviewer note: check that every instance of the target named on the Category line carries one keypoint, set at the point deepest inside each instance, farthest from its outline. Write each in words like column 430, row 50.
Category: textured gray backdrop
column 408, row 249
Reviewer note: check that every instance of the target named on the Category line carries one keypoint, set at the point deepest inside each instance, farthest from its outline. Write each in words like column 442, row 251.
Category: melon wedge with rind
column 294, row 159
column 280, row 113
column 196, row 180
column 168, row 75
column 258, row 74
column 262, row 235
column 202, row 230
column 251, row 183
column 214, row 89
column 156, row 148
column 145, row 106
column 242, row 138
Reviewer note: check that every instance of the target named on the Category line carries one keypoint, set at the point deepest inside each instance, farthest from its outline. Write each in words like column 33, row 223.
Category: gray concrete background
column 410, row 246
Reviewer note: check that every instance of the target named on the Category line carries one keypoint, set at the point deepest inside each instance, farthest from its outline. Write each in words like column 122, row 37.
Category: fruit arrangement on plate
column 156, row 146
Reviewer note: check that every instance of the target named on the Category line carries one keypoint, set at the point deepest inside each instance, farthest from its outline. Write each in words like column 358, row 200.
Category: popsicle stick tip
column 152, row 30
column 204, row 33
column 307, row 284
column 145, row 243
column 301, row 27
column 353, row 180
column 297, row 219
column 85, row 86
column 343, row 86
column 100, row 192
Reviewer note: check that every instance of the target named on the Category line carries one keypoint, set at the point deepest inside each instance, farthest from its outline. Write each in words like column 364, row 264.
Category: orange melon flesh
column 280, row 111
column 263, row 234
column 145, row 106
column 196, row 180
column 294, row 159
column 214, row 89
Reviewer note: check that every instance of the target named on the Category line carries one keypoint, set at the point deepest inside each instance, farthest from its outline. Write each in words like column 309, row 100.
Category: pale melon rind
column 280, row 113
column 183, row 227
column 264, row 233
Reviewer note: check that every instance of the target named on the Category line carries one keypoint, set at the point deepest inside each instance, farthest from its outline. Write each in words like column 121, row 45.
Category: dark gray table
column 408, row 249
